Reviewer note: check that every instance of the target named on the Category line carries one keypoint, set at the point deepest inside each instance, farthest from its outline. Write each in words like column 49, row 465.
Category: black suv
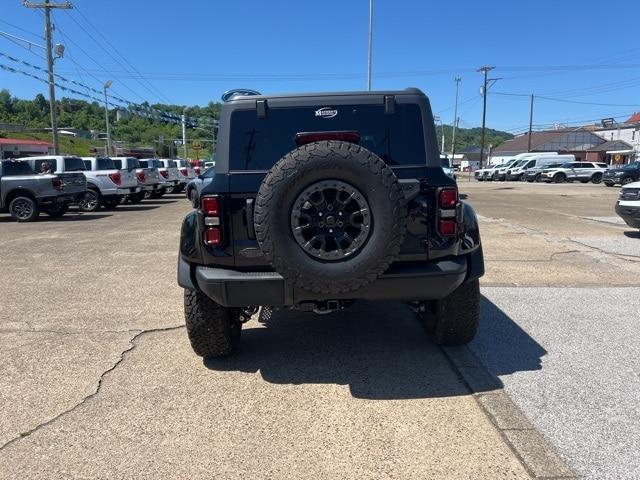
column 622, row 175
column 322, row 199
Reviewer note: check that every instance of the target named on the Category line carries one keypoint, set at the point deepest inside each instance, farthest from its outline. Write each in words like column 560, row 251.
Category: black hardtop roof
column 364, row 93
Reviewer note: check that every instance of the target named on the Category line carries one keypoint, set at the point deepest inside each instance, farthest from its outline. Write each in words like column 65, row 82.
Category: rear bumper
column 415, row 281
column 630, row 214
column 127, row 190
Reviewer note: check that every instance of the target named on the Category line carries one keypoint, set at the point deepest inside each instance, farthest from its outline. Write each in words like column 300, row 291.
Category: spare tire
column 330, row 217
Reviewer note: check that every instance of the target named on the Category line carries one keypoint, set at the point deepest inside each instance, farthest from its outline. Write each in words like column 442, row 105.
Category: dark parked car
column 322, row 199
column 622, row 175
column 195, row 186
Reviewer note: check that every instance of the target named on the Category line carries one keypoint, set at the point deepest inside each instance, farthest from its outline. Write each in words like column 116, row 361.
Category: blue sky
column 189, row 52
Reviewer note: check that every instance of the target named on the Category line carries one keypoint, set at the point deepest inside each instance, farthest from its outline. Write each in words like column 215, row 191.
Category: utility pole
column 47, row 6
column 370, row 44
column 106, row 116
column 184, row 133
column 455, row 119
column 484, row 69
column 530, row 124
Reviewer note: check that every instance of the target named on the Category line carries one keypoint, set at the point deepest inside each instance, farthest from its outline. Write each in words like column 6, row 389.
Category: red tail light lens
column 197, row 170
column 212, row 236
column 448, row 198
column 141, row 177
column 56, row 182
column 116, row 178
column 164, row 173
column 210, row 206
column 184, row 172
column 447, row 228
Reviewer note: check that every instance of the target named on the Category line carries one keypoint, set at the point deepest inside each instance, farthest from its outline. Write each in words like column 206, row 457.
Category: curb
column 535, row 453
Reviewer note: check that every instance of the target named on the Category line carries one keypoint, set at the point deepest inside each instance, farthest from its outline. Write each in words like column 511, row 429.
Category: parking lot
column 97, row 378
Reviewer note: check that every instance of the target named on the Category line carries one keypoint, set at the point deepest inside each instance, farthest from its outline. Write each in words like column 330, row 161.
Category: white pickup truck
column 187, row 172
column 107, row 185
column 148, row 178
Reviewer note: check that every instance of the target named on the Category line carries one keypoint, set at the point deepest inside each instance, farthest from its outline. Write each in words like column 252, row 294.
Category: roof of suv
column 244, row 98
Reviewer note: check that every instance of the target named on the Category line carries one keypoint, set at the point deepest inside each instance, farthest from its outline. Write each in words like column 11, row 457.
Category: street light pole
column 370, row 44
column 106, row 116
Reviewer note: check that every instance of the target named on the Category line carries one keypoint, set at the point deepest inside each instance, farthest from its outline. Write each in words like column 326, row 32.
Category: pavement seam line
column 123, row 354
column 472, row 362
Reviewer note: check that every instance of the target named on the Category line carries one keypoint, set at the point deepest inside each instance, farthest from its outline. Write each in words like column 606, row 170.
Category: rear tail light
column 164, row 173
column 210, row 207
column 141, row 177
column 447, row 228
column 197, row 170
column 57, row 184
column 448, row 198
column 447, row 203
column 184, row 172
column 116, row 178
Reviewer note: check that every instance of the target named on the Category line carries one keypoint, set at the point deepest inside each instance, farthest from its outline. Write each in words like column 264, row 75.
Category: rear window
column 118, row 164
column 38, row 165
column 12, row 169
column 73, row 164
column 257, row 144
column 105, row 164
column 171, row 164
column 151, row 164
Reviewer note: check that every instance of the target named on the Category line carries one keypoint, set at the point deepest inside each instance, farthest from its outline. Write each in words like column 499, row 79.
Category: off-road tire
column 454, row 320
column 213, row 330
column 18, row 209
column 316, row 162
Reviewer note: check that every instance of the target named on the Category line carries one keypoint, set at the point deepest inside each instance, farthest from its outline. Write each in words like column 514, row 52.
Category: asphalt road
column 561, row 326
column 97, row 379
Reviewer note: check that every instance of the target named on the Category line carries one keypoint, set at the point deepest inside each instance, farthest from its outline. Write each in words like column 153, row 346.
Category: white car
column 628, row 204
column 107, row 185
column 569, row 172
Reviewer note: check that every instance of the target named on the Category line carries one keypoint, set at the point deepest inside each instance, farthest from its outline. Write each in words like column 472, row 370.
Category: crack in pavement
column 132, row 346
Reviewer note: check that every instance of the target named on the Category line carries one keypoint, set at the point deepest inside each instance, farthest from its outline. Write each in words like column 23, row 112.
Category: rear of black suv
column 322, row 199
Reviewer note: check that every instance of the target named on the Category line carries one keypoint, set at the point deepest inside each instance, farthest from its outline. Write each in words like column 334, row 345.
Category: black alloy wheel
column 331, row 220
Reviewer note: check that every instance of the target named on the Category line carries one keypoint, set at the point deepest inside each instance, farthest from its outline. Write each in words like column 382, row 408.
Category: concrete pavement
column 561, row 323
column 97, row 378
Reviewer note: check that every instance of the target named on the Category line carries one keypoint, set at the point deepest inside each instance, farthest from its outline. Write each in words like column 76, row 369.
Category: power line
column 39, row 36
column 150, row 88
column 564, row 100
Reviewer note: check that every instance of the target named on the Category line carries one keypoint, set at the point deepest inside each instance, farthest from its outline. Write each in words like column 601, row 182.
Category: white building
column 628, row 132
